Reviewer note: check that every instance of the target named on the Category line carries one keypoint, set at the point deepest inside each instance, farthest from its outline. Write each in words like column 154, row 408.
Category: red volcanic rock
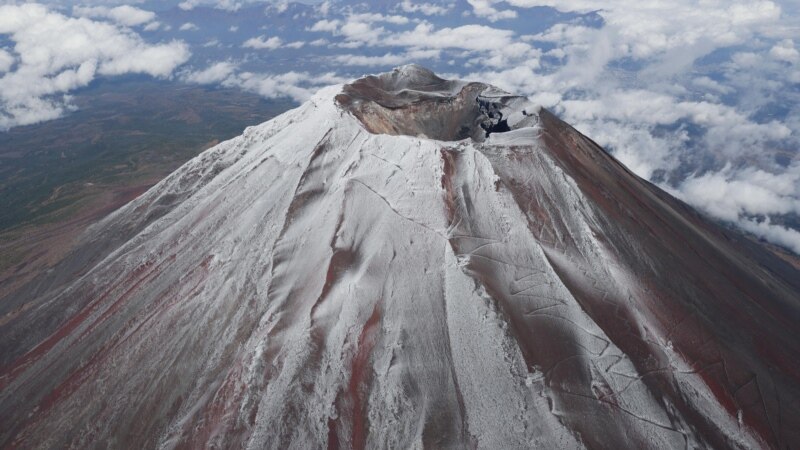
column 406, row 261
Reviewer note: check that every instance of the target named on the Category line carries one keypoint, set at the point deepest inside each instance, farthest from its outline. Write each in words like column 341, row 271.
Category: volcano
column 405, row 262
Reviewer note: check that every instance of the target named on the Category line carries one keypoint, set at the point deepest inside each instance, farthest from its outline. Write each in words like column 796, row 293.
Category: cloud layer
column 53, row 54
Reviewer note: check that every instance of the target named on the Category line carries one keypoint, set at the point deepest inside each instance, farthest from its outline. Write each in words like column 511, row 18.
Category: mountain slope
column 405, row 261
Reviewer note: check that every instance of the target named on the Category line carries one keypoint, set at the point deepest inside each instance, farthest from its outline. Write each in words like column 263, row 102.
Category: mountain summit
column 405, row 262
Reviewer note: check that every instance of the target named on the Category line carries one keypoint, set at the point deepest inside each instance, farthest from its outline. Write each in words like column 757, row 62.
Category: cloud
column 730, row 194
column 124, row 15
column 355, row 30
column 639, row 106
column 325, row 25
column 706, row 84
column 491, row 46
column 155, row 60
column 188, row 5
column 279, row 6
column 225, row 5
column 299, row 86
column 373, row 18
column 641, row 29
column 152, row 26
column 362, row 60
column 228, row 5
column 388, row 59
column 748, row 197
column 324, row 8
column 495, row 47
column 358, row 27
column 485, row 9
column 777, row 234
column 189, row 26
column 56, row 54
column 216, row 73
column 428, row 9
column 6, row 61
column 262, row 42
column 469, row 37
column 785, row 51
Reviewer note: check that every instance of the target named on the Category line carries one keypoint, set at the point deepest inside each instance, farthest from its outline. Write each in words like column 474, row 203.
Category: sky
column 701, row 97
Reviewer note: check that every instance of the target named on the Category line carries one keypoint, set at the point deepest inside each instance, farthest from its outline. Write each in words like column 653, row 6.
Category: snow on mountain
column 405, row 262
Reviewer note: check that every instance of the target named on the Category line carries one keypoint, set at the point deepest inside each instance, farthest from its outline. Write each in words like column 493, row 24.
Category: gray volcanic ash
column 405, row 262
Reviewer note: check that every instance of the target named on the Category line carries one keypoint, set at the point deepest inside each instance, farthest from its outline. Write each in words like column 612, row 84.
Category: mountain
column 405, row 261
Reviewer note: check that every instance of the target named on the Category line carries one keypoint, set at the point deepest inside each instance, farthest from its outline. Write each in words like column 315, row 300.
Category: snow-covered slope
column 405, row 262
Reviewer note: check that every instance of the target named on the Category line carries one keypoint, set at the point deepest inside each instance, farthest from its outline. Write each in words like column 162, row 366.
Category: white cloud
column 216, row 73
column 707, row 84
column 279, row 6
column 188, row 26
column 469, row 37
column 729, row 194
column 359, row 27
column 494, row 47
column 776, row 234
column 124, row 15
column 6, row 60
column 428, row 9
column 349, row 44
column 388, row 59
column 225, row 5
column 737, row 196
column 57, row 54
column 188, row 5
column 298, row 86
column 374, row 17
column 359, row 31
column 641, row 29
column 490, row 46
column 785, row 51
column 228, row 5
column 325, row 25
column 362, row 60
column 486, row 9
column 262, row 42
column 324, row 8
column 153, row 26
